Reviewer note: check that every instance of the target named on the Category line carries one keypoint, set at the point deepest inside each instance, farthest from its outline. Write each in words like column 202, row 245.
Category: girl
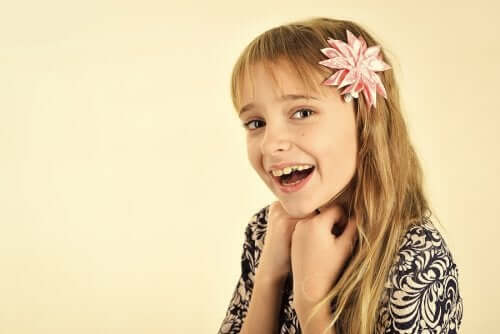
column 349, row 246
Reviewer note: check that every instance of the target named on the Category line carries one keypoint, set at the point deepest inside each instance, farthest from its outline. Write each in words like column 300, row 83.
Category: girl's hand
column 318, row 256
column 275, row 263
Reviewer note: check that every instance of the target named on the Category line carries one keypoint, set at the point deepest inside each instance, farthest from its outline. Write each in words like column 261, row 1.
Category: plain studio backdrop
column 125, row 185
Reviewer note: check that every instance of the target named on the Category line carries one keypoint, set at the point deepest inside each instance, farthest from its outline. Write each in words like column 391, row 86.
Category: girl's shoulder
column 424, row 240
column 422, row 289
column 425, row 228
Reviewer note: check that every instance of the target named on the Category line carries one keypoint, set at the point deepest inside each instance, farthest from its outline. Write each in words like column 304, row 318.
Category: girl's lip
column 295, row 187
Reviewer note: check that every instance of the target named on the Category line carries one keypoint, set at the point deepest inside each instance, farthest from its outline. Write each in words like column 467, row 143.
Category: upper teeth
column 289, row 169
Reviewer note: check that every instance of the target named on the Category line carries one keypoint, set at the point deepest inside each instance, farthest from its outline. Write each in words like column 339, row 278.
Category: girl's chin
column 298, row 211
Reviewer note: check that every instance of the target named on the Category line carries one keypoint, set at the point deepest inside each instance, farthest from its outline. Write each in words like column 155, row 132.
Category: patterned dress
column 421, row 293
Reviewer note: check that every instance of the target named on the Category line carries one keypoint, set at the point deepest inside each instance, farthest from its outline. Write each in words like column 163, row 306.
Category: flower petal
column 358, row 87
column 351, row 77
column 381, row 90
column 375, row 64
column 336, row 63
column 354, row 89
column 330, row 41
column 336, row 78
column 331, row 52
column 348, row 89
column 350, row 37
column 355, row 44
column 379, row 85
column 372, row 51
column 342, row 47
column 363, row 44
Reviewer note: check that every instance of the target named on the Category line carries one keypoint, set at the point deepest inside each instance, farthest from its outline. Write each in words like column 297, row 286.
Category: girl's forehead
column 281, row 78
column 278, row 84
column 282, row 74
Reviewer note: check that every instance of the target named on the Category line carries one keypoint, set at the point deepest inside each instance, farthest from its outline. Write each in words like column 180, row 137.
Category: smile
column 294, row 182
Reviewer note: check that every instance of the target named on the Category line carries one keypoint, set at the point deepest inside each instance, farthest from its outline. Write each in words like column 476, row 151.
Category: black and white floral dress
column 421, row 293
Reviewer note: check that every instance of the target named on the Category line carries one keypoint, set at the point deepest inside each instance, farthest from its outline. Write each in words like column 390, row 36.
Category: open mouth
column 294, row 177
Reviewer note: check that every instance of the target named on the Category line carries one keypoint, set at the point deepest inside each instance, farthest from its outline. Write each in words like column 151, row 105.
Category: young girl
column 349, row 246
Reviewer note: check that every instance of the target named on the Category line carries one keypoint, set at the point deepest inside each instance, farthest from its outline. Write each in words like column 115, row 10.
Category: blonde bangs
column 273, row 48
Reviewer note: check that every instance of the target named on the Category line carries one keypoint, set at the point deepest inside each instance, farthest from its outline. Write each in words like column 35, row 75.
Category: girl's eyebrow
column 287, row 97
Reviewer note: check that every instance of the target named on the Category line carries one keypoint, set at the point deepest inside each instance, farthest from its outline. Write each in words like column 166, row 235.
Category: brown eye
column 304, row 111
column 247, row 124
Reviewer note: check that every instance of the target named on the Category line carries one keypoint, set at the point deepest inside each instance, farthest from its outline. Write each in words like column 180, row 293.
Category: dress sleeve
column 424, row 294
column 239, row 303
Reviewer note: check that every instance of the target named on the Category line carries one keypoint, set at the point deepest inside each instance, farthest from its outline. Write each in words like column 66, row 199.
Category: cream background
column 124, row 184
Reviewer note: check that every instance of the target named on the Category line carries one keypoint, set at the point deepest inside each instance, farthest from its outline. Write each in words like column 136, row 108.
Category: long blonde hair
column 386, row 193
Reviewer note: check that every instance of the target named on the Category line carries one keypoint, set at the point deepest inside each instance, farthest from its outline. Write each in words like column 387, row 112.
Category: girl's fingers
column 349, row 237
column 335, row 221
column 331, row 215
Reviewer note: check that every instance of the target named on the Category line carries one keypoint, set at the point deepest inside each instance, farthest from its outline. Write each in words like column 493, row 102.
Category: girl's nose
column 274, row 140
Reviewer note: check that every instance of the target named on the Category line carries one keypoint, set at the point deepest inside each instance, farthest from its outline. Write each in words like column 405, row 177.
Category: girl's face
column 285, row 127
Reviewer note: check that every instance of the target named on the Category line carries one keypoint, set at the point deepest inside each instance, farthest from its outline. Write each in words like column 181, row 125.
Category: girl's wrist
column 270, row 278
column 270, row 271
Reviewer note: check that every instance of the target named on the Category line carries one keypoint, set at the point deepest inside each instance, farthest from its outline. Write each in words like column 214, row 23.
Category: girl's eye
column 248, row 125
column 304, row 110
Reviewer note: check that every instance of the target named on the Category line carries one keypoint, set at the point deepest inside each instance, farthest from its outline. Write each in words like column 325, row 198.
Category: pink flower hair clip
column 357, row 65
